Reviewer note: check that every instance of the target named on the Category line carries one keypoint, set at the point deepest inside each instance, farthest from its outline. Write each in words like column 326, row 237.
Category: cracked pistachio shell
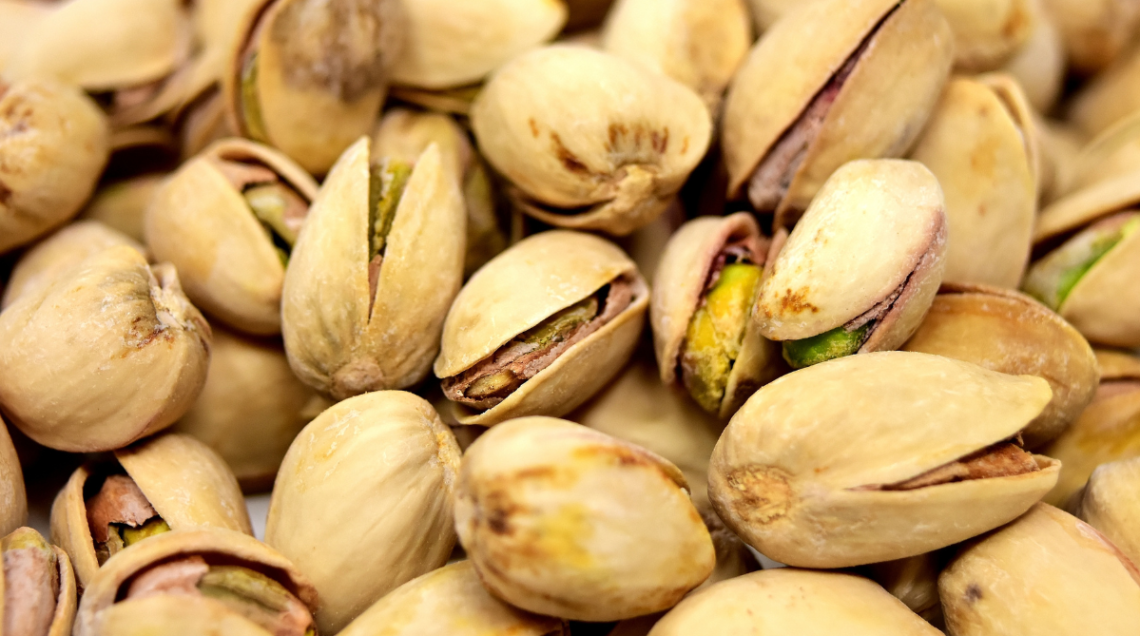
column 337, row 340
column 13, row 496
column 108, row 353
column 199, row 222
column 173, row 616
column 232, row 548
column 1096, row 32
column 790, row 601
column 357, row 527
column 1109, row 98
column 122, row 205
column 518, row 289
column 65, row 601
column 186, row 482
column 1039, row 66
column 450, row 601
column 588, row 140
column 562, row 520
column 877, row 221
column 53, row 146
column 1046, row 574
column 1111, row 504
column 1008, row 332
column 878, row 112
column 678, row 287
column 796, row 471
column 976, row 145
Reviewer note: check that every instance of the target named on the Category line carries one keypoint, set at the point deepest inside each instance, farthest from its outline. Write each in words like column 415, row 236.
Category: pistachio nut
column 1111, row 154
column 987, row 33
column 174, row 615
column 836, row 81
column 203, row 122
column 1005, row 331
column 704, row 334
column 765, row 13
column 880, row 222
column 53, row 146
column 37, row 587
column 308, row 76
column 228, row 221
column 1109, row 97
column 588, row 140
column 453, row 101
column 110, row 381
column 13, row 498
column 230, row 571
column 1059, row 145
column 1048, row 573
column 122, row 205
column 914, row 581
column 449, row 601
column 1039, row 66
column 1096, row 32
column 562, row 520
column 541, row 328
column 790, row 601
column 1111, row 503
column 377, row 264
column 357, row 527
column 18, row 18
column 878, row 457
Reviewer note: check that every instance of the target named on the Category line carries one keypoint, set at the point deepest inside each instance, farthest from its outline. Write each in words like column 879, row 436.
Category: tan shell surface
column 17, row 19
column 1047, row 573
column 1112, row 153
column 1039, row 66
column 69, row 528
column 65, row 600
column 173, row 616
column 1110, row 97
column 13, row 497
column 1105, row 303
column 766, row 12
column 1111, row 504
column 122, row 206
column 914, row 581
column 1096, row 32
column 362, row 503
column 987, row 32
column 1117, row 365
column 1060, row 145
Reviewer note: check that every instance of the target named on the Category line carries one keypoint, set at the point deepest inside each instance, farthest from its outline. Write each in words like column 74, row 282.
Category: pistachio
column 988, row 33
column 873, row 484
column 1060, row 146
column 18, row 18
column 1111, row 503
column 562, row 520
column 1111, row 154
column 877, row 221
column 1095, row 32
column 1046, row 573
column 122, row 205
column 1108, row 98
column 37, row 587
column 765, row 13
column 541, row 328
column 914, row 581
column 1039, row 66
column 14, row 510
column 174, row 616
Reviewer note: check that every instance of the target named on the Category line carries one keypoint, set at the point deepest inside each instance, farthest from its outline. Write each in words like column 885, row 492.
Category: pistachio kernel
column 828, row 345
column 250, row 102
column 31, row 574
column 388, row 179
column 1053, row 278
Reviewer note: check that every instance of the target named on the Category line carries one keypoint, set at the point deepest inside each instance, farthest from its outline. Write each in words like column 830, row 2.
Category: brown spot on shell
column 685, row 145
column 760, row 494
column 533, row 127
column 1016, row 22
column 624, row 138
column 796, row 301
column 973, row 593
column 5, row 195
column 568, row 159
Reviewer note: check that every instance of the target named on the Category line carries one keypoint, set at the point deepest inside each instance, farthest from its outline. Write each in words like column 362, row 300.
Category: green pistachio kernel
column 386, row 187
column 27, row 538
column 269, row 205
column 250, row 102
column 247, row 592
column 1053, row 278
column 153, row 527
column 826, row 346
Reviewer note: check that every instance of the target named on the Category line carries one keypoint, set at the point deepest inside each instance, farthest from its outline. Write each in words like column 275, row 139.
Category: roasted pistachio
column 37, row 587
column 13, row 498
column 18, row 18
column 1096, row 32
column 1039, row 65
column 914, row 581
column 1111, row 503
column 1060, row 146
column 988, row 33
column 541, row 328
column 174, row 615
column 1111, row 154
column 122, row 205
column 765, row 13
column 1109, row 98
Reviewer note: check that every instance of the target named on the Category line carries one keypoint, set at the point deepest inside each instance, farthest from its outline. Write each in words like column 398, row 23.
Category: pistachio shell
column 1096, row 32
column 173, row 616
column 18, row 18
column 588, row 140
column 988, row 33
column 1111, row 504
column 1117, row 365
column 359, row 528
column 766, row 12
column 1039, row 66
column 1060, row 145
column 805, row 469
column 1108, row 98
column 13, row 498
column 914, row 581
column 122, row 205
column 1113, row 153
column 63, row 614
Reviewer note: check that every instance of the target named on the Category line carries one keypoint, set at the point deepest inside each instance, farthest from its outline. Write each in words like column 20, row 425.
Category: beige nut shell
column 122, row 205
column 65, row 600
column 13, row 497
column 1095, row 32
column 173, row 616
column 1111, row 504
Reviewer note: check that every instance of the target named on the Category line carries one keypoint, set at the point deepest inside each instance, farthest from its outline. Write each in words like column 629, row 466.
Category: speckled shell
column 65, row 600
column 173, row 616
column 1039, row 65
column 13, row 497
column 785, row 475
column 1095, row 32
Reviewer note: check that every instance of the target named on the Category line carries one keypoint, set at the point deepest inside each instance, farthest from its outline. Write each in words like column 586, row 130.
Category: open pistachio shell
column 1096, row 32
column 587, row 139
column 355, row 320
column 14, row 506
column 1048, row 573
column 560, row 312
column 878, row 457
column 1039, row 66
column 836, row 81
column 359, row 528
column 1008, row 332
column 37, row 586
column 1111, row 503
column 173, row 616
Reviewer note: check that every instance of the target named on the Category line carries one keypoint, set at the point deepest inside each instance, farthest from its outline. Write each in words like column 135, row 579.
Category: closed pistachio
column 37, row 587
column 77, row 384
column 880, row 222
column 228, row 220
column 1109, row 98
column 13, row 498
column 836, row 81
column 53, row 146
column 1096, row 32
column 377, row 264
column 154, row 486
column 541, row 328
column 562, row 520
column 1039, row 65
column 1111, row 503
column 878, row 457
column 175, row 615
column 914, row 581
column 1046, row 574
column 358, row 527
column 122, row 205
column 588, row 140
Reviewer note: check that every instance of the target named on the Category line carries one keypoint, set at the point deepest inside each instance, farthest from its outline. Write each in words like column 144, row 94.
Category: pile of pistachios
column 570, row 317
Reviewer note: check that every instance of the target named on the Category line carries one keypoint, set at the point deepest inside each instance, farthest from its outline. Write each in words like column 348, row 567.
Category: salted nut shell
column 988, row 33
column 790, row 601
column 122, row 205
column 1111, row 154
column 588, row 140
column 172, row 477
column 1096, row 32
column 357, row 527
column 1109, row 98
column 878, row 457
column 541, row 328
column 227, row 220
column 377, row 264
column 703, row 332
column 562, row 520
column 1039, row 65
column 49, row 169
column 1046, row 573
column 1008, row 332
column 14, row 511
column 880, row 222
column 37, row 586
column 143, row 363
column 174, row 615
column 817, row 92
column 1111, row 503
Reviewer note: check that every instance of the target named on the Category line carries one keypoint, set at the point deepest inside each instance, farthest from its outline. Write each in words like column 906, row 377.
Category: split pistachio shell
column 357, row 527
column 49, row 170
column 26, row 555
column 523, row 288
column 13, row 498
column 987, row 33
column 1111, row 504
column 587, row 139
column 1008, row 332
column 348, row 328
column 172, row 615
column 790, row 601
column 1039, row 66
column 1048, row 573
column 77, row 384
column 798, row 109
column 855, row 460
column 562, row 520
column 1096, row 32
column 122, row 205
column 1109, row 98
